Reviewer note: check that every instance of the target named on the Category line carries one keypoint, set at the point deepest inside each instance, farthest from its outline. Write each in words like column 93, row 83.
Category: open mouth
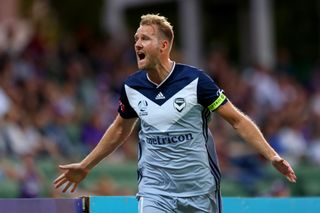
column 141, row 56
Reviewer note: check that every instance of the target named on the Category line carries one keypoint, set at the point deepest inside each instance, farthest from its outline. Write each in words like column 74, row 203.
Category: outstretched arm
column 249, row 131
column 115, row 135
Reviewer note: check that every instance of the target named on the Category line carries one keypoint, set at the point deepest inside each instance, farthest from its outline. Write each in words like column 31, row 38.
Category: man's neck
column 161, row 72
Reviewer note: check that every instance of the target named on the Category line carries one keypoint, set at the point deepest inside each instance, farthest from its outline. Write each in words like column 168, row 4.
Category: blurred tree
column 73, row 15
column 297, row 30
column 25, row 7
column 220, row 20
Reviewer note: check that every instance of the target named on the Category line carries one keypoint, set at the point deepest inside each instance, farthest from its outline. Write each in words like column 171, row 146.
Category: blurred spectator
column 14, row 36
column 293, row 143
column 314, row 148
column 284, row 63
column 270, row 129
column 314, row 151
column 30, row 180
column 267, row 94
column 4, row 103
column 106, row 187
column 92, row 131
column 278, row 189
column 20, row 135
column 27, row 175
column 315, row 103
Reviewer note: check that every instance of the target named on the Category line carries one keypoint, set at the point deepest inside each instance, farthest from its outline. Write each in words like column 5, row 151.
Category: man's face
column 147, row 46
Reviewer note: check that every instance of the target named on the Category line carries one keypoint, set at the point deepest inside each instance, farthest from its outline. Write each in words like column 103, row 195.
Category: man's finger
column 67, row 187
column 60, row 183
column 291, row 179
column 293, row 176
column 67, row 166
column 75, row 185
column 59, row 178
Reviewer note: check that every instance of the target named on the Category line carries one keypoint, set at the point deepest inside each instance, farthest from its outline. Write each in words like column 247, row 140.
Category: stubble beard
column 147, row 65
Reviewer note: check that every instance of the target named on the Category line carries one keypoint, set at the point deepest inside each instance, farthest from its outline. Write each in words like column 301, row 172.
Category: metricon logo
column 158, row 140
column 179, row 104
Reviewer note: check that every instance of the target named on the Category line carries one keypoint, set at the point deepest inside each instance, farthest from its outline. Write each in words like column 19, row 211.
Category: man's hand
column 73, row 174
column 284, row 168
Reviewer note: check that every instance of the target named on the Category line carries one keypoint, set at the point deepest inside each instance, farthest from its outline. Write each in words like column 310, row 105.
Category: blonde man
column 177, row 164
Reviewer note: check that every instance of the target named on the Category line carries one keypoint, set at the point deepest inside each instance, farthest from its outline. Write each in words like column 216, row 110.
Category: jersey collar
column 164, row 80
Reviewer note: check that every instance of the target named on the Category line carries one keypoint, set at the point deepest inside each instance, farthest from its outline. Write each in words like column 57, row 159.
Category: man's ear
column 164, row 45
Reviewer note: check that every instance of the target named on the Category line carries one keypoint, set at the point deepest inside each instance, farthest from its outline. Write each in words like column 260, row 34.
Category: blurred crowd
column 286, row 109
column 56, row 101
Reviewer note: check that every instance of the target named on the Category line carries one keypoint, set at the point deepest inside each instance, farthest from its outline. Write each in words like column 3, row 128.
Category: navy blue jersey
column 176, row 151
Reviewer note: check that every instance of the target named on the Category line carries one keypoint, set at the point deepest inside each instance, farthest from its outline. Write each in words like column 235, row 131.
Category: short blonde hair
column 164, row 27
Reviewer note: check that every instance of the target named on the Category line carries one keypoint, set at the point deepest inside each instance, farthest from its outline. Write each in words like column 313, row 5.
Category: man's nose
column 138, row 44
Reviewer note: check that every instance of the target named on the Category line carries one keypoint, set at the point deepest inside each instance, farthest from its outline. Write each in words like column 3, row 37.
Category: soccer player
column 177, row 164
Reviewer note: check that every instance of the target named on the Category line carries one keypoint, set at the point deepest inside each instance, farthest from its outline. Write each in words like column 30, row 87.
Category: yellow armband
column 217, row 102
